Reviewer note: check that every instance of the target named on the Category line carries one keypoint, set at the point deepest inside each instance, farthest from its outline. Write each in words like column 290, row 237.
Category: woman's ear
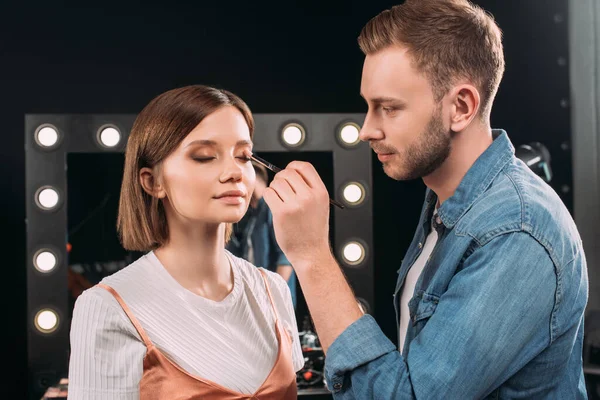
column 151, row 183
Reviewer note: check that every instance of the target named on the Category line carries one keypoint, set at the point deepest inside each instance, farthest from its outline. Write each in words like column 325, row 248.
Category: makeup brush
column 275, row 169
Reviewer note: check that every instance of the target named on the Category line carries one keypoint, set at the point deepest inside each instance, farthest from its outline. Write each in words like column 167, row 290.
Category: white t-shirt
column 408, row 289
column 231, row 342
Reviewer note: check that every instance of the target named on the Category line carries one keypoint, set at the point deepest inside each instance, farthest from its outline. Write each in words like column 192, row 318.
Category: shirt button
column 420, row 245
column 337, row 386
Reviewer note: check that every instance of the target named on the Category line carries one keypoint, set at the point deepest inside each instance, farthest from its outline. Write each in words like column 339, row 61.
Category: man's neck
column 467, row 146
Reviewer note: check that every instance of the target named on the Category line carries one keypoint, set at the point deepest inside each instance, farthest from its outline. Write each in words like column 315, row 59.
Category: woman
column 188, row 320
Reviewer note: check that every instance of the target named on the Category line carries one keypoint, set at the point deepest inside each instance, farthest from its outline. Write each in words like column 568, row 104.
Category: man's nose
column 370, row 129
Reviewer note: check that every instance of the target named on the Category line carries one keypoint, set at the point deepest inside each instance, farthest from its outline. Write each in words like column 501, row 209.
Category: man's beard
column 424, row 157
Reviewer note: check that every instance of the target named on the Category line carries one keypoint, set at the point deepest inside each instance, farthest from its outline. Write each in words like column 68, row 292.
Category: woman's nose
column 232, row 171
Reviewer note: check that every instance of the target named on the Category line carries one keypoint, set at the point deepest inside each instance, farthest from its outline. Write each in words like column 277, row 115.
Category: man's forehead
column 389, row 73
column 388, row 62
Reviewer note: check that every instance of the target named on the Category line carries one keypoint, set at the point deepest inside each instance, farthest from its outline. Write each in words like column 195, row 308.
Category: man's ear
column 151, row 183
column 466, row 102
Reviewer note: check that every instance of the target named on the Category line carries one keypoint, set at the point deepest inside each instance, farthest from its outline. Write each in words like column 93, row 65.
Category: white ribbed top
column 414, row 273
column 231, row 342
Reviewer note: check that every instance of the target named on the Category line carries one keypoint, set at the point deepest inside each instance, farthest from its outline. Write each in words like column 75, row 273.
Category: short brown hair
column 157, row 131
column 448, row 40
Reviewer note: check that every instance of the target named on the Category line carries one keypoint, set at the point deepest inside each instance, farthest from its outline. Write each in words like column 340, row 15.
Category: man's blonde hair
column 447, row 39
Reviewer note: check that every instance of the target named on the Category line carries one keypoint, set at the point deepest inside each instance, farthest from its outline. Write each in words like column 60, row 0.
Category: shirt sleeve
column 494, row 318
column 106, row 359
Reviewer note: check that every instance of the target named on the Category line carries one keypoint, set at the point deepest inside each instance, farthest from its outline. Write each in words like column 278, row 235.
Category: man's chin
column 395, row 173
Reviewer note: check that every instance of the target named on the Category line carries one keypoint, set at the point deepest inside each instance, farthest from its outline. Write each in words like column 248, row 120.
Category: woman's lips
column 231, row 199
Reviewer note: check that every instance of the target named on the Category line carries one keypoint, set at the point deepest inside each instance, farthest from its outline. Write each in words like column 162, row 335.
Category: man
column 253, row 238
column 492, row 291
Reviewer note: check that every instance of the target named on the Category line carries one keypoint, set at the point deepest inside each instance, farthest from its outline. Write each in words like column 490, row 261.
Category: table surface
column 59, row 391
column 307, row 391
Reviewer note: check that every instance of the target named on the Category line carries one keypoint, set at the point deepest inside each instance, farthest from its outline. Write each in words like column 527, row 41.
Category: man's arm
column 471, row 343
column 330, row 300
column 494, row 318
column 299, row 203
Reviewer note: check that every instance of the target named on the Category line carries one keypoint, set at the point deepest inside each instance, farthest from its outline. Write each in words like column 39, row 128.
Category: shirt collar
column 477, row 179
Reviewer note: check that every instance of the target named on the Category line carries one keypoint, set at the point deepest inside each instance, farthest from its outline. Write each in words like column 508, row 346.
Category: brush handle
column 275, row 169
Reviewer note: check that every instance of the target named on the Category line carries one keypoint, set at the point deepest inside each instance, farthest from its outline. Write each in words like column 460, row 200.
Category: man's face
column 404, row 124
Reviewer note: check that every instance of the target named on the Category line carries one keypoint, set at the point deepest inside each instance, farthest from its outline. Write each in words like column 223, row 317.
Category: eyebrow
column 214, row 144
column 384, row 99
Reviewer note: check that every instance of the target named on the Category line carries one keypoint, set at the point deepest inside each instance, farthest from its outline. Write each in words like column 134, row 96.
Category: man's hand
column 299, row 202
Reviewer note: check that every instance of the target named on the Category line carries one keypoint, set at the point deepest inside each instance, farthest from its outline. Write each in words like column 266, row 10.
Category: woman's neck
column 195, row 257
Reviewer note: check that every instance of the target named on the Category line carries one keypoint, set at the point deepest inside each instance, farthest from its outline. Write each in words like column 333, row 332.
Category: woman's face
column 209, row 178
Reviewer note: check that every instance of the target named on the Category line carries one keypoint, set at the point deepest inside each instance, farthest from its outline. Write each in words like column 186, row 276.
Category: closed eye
column 203, row 159
column 246, row 157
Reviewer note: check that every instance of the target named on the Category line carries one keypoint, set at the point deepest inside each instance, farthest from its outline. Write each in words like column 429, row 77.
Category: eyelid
column 203, row 158
column 391, row 108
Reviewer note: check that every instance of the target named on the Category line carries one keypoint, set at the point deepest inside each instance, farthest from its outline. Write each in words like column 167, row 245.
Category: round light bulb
column 48, row 198
column 350, row 134
column 47, row 136
column 354, row 253
column 354, row 193
column 46, row 321
column 293, row 135
column 110, row 137
column 45, row 261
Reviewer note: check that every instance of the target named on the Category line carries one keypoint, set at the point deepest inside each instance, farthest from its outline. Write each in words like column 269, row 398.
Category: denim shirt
column 498, row 309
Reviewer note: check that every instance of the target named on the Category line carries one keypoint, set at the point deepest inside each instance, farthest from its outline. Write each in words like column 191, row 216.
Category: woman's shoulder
column 136, row 269
column 97, row 307
column 121, row 281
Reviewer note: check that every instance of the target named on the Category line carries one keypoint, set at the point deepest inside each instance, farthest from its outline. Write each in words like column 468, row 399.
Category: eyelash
column 207, row 159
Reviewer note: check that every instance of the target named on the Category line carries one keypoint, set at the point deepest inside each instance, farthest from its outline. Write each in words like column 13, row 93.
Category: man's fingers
column 296, row 182
column 308, row 173
column 283, row 188
column 272, row 199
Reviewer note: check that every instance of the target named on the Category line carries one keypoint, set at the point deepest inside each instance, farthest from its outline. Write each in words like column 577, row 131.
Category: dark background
column 292, row 57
